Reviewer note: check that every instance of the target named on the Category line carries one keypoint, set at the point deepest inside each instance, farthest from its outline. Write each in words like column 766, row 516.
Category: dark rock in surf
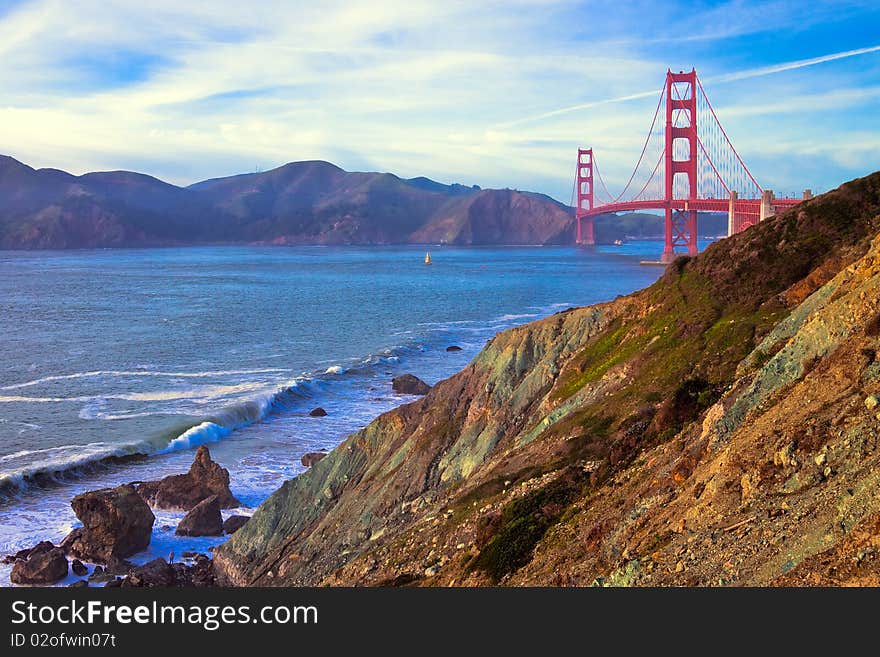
column 407, row 384
column 80, row 583
column 116, row 566
column 310, row 458
column 78, row 568
column 233, row 523
column 45, row 567
column 317, row 412
column 203, row 520
column 155, row 573
column 453, row 347
column 22, row 555
column 116, row 524
column 183, row 492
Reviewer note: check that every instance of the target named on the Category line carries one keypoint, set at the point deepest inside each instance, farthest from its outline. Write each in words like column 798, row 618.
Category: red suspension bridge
column 687, row 165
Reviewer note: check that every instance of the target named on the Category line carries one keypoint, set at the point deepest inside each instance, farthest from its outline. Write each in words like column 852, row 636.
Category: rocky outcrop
column 116, row 524
column 408, row 384
column 183, row 492
column 203, row 520
column 317, row 412
column 159, row 573
column 453, row 347
column 631, row 443
column 41, row 567
column 310, row 458
column 23, row 554
column 233, row 523
column 155, row 573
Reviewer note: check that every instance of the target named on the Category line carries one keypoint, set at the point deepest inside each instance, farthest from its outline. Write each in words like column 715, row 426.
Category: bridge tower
column 681, row 126
column 584, row 221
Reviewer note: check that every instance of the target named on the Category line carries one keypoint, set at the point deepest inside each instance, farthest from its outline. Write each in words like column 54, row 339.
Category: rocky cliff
column 718, row 427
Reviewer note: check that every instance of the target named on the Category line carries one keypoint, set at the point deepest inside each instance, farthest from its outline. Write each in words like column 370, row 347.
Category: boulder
column 45, row 567
column 317, row 412
column 407, row 384
column 116, row 524
column 233, row 523
column 453, row 347
column 203, row 520
column 21, row 555
column 183, row 492
column 79, row 584
column 309, row 459
column 78, row 567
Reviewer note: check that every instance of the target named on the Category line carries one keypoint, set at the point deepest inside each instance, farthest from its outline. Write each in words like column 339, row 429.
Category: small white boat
column 427, row 258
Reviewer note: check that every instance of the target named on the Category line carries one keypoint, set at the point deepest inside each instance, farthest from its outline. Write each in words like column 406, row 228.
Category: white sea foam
column 142, row 373
column 199, row 394
column 334, row 369
column 59, row 459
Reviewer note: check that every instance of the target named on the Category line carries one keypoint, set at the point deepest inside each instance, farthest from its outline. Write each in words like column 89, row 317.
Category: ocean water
column 145, row 354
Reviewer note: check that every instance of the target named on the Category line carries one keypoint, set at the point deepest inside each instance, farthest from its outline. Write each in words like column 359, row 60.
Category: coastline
column 319, row 390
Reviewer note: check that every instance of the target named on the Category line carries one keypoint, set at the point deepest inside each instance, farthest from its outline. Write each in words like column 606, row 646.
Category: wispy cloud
column 718, row 79
column 495, row 93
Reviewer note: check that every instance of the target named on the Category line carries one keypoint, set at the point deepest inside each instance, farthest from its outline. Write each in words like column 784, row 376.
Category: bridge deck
column 743, row 206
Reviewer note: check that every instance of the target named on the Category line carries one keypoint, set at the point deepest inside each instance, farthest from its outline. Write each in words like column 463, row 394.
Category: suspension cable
column 723, row 132
column 645, row 147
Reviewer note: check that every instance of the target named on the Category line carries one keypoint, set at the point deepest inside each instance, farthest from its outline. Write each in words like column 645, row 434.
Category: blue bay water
column 152, row 352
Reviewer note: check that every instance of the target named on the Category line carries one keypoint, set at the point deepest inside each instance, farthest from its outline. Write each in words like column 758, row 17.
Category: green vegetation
column 524, row 522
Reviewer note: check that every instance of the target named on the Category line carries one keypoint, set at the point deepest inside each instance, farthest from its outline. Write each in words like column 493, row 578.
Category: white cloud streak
column 201, row 89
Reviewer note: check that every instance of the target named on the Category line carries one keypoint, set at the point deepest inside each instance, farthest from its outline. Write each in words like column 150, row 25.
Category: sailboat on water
column 427, row 257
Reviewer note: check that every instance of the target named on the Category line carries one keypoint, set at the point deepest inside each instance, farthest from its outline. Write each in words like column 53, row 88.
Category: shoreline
column 119, row 469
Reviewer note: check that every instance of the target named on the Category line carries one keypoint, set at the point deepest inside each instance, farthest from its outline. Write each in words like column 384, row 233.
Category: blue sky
column 494, row 93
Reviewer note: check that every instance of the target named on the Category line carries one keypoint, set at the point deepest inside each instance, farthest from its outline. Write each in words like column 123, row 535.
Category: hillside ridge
column 718, row 427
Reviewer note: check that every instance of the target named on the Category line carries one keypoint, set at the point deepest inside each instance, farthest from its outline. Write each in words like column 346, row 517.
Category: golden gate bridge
column 687, row 165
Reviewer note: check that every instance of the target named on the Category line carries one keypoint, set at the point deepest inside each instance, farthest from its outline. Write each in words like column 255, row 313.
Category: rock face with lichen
column 714, row 428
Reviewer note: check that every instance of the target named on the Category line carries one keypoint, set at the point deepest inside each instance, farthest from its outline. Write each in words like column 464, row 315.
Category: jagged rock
column 453, row 347
column 202, row 572
column 43, row 567
column 233, row 523
column 309, row 459
column 317, row 412
column 183, row 492
column 78, row 568
column 407, row 384
column 100, row 575
column 116, row 523
column 117, row 566
column 113, row 583
column 155, row 573
column 42, row 546
column 203, row 520
column 80, row 583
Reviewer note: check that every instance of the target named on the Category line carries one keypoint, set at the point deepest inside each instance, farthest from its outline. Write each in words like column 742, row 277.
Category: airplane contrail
column 720, row 79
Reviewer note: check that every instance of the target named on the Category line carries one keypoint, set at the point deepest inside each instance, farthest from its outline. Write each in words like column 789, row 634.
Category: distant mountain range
column 310, row 202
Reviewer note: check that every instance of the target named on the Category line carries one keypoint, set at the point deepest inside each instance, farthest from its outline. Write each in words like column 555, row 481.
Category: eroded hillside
column 719, row 427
